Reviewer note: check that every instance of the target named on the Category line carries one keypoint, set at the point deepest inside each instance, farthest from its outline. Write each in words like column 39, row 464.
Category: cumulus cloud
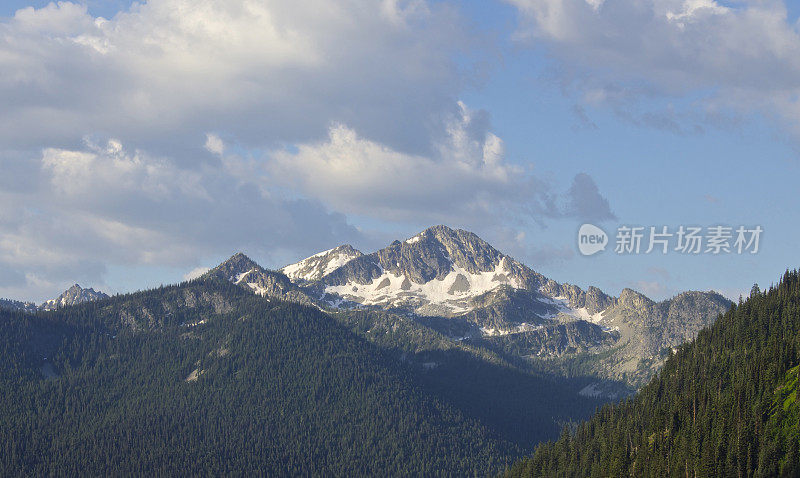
column 105, row 204
column 468, row 177
column 469, row 181
column 109, row 170
column 112, row 129
column 263, row 71
column 729, row 61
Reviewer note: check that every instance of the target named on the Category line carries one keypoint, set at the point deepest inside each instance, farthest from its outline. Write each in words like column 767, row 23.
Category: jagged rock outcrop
column 506, row 309
column 73, row 296
column 649, row 329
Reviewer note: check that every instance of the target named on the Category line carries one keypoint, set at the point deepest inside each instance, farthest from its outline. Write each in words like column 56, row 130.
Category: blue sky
column 157, row 143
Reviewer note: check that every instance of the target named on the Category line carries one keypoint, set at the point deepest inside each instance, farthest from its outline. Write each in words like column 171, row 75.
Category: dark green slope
column 724, row 405
column 519, row 406
column 278, row 389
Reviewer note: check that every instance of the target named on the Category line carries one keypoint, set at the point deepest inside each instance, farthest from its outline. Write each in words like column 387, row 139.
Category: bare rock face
column 73, row 296
column 630, row 299
column 596, row 301
column 553, row 340
column 650, row 329
column 593, row 299
column 685, row 314
column 506, row 309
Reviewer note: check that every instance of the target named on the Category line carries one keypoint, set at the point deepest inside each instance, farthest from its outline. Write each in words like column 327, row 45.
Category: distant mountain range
column 72, row 296
column 456, row 283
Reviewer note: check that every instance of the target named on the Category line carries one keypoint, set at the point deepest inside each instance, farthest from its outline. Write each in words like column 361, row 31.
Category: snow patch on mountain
column 452, row 291
column 257, row 289
column 563, row 307
column 496, row 332
column 239, row 277
column 320, row 264
column 414, row 239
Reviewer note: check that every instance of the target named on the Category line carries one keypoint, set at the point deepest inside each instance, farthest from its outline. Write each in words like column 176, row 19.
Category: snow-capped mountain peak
column 438, row 271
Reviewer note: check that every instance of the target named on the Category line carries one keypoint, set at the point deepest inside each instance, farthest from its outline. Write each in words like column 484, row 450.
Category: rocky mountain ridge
column 243, row 271
column 10, row 304
column 73, row 296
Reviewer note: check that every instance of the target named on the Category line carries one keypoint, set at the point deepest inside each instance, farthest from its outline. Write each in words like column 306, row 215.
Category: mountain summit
column 436, row 272
column 73, row 296
column 242, row 270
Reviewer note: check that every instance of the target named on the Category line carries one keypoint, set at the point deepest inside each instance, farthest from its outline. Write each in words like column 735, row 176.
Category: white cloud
column 167, row 80
column 105, row 205
column 185, row 96
column 468, row 177
column 468, row 181
column 214, row 144
column 735, row 60
column 100, row 171
column 265, row 71
column 692, row 10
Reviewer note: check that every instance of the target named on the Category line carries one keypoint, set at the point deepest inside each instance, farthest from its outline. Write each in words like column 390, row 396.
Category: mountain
column 644, row 332
column 208, row 378
column 436, row 272
column 652, row 329
column 321, row 264
column 73, row 296
column 241, row 270
column 724, row 404
column 9, row 304
column 443, row 273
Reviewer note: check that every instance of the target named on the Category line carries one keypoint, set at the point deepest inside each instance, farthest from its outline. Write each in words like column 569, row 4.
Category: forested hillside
column 208, row 378
column 723, row 405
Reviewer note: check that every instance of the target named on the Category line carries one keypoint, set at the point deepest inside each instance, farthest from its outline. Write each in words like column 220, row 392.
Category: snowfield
column 452, row 292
